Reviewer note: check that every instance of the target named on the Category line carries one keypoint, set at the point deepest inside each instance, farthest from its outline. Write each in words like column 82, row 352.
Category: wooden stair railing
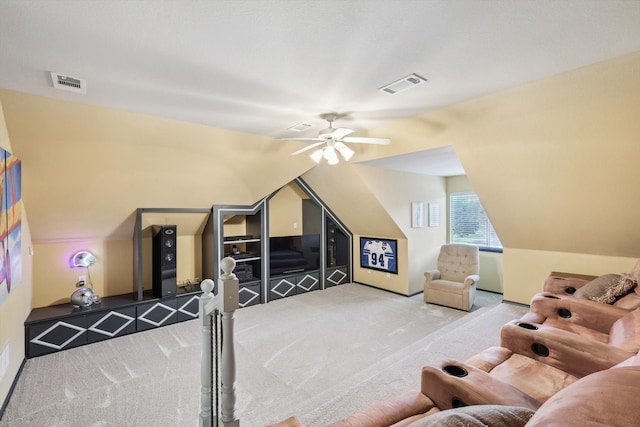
column 218, row 389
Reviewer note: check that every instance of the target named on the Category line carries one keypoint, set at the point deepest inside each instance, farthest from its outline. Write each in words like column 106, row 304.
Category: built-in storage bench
column 62, row 326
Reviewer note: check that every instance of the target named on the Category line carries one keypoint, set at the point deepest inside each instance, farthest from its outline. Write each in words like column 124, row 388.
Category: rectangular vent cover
column 300, row 127
column 72, row 84
column 402, row 84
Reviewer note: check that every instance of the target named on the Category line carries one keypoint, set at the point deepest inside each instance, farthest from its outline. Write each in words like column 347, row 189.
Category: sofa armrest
column 431, row 275
column 389, row 412
column 452, row 384
column 565, row 283
column 570, row 310
column 569, row 352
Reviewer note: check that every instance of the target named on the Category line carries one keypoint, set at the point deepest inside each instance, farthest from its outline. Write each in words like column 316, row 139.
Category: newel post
column 207, row 307
column 228, row 286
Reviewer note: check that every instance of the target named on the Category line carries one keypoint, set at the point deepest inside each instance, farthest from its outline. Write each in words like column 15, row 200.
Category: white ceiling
column 261, row 66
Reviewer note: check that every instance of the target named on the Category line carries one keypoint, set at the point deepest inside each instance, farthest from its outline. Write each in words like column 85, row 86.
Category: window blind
column 469, row 222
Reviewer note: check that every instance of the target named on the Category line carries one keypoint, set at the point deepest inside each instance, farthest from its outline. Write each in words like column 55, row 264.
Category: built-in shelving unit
column 239, row 232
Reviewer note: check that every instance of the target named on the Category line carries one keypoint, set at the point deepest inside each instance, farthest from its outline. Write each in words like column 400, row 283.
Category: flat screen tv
column 292, row 254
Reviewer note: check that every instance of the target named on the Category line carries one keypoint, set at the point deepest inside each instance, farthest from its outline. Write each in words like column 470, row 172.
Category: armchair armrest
column 569, row 352
column 569, row 310
column 471, row 280
column 431, row 275
column 467, row 385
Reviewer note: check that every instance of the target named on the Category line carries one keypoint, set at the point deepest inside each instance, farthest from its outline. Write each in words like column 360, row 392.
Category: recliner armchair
column 454, row 282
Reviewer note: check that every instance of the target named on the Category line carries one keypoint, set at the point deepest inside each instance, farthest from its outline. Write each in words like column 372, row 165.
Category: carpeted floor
column 320, row 356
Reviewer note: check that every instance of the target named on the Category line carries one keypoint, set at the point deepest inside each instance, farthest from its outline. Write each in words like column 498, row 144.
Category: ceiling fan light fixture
column 329, row 153
column 316, row 156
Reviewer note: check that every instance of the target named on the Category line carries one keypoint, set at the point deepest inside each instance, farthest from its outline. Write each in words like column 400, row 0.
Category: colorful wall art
column 10, row 224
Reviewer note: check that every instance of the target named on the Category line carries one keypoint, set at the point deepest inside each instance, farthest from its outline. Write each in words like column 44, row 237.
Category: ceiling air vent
column 402, row 84
column 299, row 127
column 72, row 84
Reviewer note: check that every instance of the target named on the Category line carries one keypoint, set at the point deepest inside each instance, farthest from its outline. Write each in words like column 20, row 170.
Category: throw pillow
column 624, row 286
column 478, row 416
column 597, row 286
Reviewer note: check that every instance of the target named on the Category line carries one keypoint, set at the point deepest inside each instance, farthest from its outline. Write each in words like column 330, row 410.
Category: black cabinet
column 60, row 327
column 55, row 335
column 294, row 284
column 156, row 313
column 108, row 324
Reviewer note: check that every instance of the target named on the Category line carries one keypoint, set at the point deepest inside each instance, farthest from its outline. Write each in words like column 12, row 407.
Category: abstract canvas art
column 10, row 224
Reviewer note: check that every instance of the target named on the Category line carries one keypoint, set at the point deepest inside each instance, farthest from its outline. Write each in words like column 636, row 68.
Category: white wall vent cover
column 72, row 84
column 402, row 84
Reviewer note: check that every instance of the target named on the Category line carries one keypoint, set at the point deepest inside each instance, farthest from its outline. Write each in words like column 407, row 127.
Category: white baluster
column 206, row 306
column 228, row 286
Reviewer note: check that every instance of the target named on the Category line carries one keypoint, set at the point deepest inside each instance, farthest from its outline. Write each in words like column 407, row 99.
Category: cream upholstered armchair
column 453, row 284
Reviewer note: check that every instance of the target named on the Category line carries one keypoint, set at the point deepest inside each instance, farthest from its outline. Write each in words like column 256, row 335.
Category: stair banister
column 213, row 308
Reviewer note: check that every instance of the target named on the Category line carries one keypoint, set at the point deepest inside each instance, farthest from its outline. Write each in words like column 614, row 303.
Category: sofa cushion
column 478, row 416
column 597, row 287
column 606, row 398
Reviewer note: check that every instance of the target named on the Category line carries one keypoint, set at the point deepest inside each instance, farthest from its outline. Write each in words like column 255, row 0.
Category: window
column 469, row 222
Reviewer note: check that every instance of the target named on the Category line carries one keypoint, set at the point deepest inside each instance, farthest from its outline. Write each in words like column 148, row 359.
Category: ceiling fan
column 334, row 140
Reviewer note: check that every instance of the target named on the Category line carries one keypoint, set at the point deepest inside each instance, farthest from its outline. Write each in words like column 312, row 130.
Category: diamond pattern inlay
column 285, row 288
column 337, row 277
column 252, row 295
column 189, row 308
column 157, row 306
column 42, row 338
column 307, row 282
column 124, row 320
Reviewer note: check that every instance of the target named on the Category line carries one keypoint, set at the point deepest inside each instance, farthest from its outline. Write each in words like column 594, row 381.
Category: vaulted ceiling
column 261, row 66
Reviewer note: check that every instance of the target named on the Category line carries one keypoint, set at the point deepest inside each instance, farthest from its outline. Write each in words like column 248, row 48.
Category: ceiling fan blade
column 302, row 139
column 365, row 140
column 309, row 147
column 340, row 133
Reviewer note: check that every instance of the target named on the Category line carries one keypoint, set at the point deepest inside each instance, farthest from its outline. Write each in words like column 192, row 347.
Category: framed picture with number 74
column 379, row 254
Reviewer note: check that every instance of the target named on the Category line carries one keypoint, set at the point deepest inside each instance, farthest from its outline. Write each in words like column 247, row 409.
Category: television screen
column 290, row 254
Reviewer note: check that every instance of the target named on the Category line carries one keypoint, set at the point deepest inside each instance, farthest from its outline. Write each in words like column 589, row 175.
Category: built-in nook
column 286, row 244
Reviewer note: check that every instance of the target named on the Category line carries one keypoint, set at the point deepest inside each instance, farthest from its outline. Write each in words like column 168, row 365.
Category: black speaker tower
column 164, row 261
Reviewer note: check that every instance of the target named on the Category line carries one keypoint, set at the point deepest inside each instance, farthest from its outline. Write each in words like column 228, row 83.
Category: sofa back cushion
column 604, row 399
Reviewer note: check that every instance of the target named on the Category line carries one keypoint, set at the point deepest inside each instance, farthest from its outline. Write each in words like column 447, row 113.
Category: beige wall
column 396, row 191
column 17, row 306
column 526, row 270
column 285, row 211
column 554, row 163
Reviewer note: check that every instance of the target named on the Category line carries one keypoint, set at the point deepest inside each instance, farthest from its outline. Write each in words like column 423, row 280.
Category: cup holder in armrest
column 570, row 290
column 564, row 313
column 551, row 297
column 457, row 403
column 456, row 371
column 540, row 349
column 527, row 326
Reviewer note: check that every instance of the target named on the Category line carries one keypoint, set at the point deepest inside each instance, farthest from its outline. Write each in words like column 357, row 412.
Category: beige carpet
column 320, row 356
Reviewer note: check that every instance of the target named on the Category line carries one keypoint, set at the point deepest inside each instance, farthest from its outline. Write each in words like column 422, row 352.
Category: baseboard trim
column 387, row 290
column 12, row 388
column 506, row 301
